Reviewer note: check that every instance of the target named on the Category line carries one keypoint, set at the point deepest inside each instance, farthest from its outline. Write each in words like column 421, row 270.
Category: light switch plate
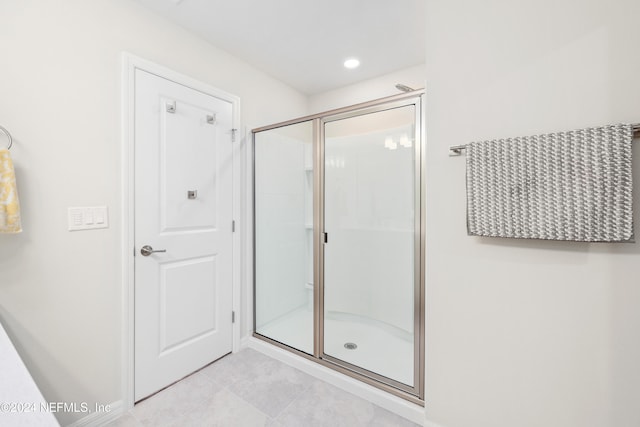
column 88, row 218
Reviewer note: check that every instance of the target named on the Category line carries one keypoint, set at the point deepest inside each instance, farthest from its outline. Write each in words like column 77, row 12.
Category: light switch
column 99, row 216
column 76, row 217
column 87, row 218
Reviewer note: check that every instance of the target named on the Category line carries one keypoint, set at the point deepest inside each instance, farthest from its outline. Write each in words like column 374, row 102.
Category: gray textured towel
column 562, row 186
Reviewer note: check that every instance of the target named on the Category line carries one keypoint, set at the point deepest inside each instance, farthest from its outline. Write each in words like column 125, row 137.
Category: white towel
column 9, row 204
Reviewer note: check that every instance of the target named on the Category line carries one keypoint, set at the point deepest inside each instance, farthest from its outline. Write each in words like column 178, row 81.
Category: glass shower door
column 372, row 243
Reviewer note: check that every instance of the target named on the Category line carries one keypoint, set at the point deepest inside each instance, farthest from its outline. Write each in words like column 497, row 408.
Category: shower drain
column 350, row 346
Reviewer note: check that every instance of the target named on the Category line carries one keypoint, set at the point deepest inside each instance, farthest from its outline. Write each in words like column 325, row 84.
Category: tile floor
column 250, row 389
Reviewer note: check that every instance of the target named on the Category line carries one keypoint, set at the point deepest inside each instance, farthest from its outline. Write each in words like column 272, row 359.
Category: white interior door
column 183, row 208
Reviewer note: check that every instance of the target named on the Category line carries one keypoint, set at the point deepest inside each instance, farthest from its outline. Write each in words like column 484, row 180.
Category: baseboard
column 99, row 418
column 244, row 342
column 428, row 423
column 372, row 394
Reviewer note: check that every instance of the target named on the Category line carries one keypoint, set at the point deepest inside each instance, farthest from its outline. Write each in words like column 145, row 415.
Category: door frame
column 131, row 63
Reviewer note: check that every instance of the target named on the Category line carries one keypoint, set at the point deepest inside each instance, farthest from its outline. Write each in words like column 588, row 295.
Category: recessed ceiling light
column 351, row 63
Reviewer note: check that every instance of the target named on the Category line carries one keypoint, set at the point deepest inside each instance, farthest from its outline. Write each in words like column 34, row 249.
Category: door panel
column 178, row 211
column 370, row 213
column 183, row 206
column 186, row 288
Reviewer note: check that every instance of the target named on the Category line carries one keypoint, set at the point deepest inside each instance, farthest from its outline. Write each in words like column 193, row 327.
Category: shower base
column 380, row 349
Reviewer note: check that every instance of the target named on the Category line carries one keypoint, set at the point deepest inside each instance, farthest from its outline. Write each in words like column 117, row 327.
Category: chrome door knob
column 147, row 250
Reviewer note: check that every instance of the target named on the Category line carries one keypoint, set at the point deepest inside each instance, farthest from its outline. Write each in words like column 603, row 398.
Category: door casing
column 129, row 64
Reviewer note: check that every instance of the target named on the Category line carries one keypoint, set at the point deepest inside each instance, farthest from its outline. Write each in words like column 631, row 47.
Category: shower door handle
column 325, row 237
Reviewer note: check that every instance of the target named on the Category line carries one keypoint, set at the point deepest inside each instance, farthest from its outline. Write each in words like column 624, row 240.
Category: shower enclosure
column 339, row 240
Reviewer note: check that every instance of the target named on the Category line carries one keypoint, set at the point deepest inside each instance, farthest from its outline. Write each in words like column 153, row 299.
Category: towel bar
column 6, row 132
column 456, row 150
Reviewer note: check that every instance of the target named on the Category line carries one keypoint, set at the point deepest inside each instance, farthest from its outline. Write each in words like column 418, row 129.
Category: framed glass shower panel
column 283, row 246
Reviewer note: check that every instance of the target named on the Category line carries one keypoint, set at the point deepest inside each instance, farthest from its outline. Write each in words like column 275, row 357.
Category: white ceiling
column 305, row 42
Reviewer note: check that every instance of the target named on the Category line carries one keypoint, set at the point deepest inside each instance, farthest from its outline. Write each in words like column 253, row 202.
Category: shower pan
column 339, row 240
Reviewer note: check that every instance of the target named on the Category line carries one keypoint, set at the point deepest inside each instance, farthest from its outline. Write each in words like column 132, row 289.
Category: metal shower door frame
column 413, row 394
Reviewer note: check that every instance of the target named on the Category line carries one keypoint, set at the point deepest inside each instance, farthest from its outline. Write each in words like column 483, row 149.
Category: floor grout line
column 294, row 399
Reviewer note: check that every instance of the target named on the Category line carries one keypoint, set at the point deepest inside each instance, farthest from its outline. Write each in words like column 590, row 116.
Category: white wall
column 60, row 292
column 527, row 333
column 367, row 90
